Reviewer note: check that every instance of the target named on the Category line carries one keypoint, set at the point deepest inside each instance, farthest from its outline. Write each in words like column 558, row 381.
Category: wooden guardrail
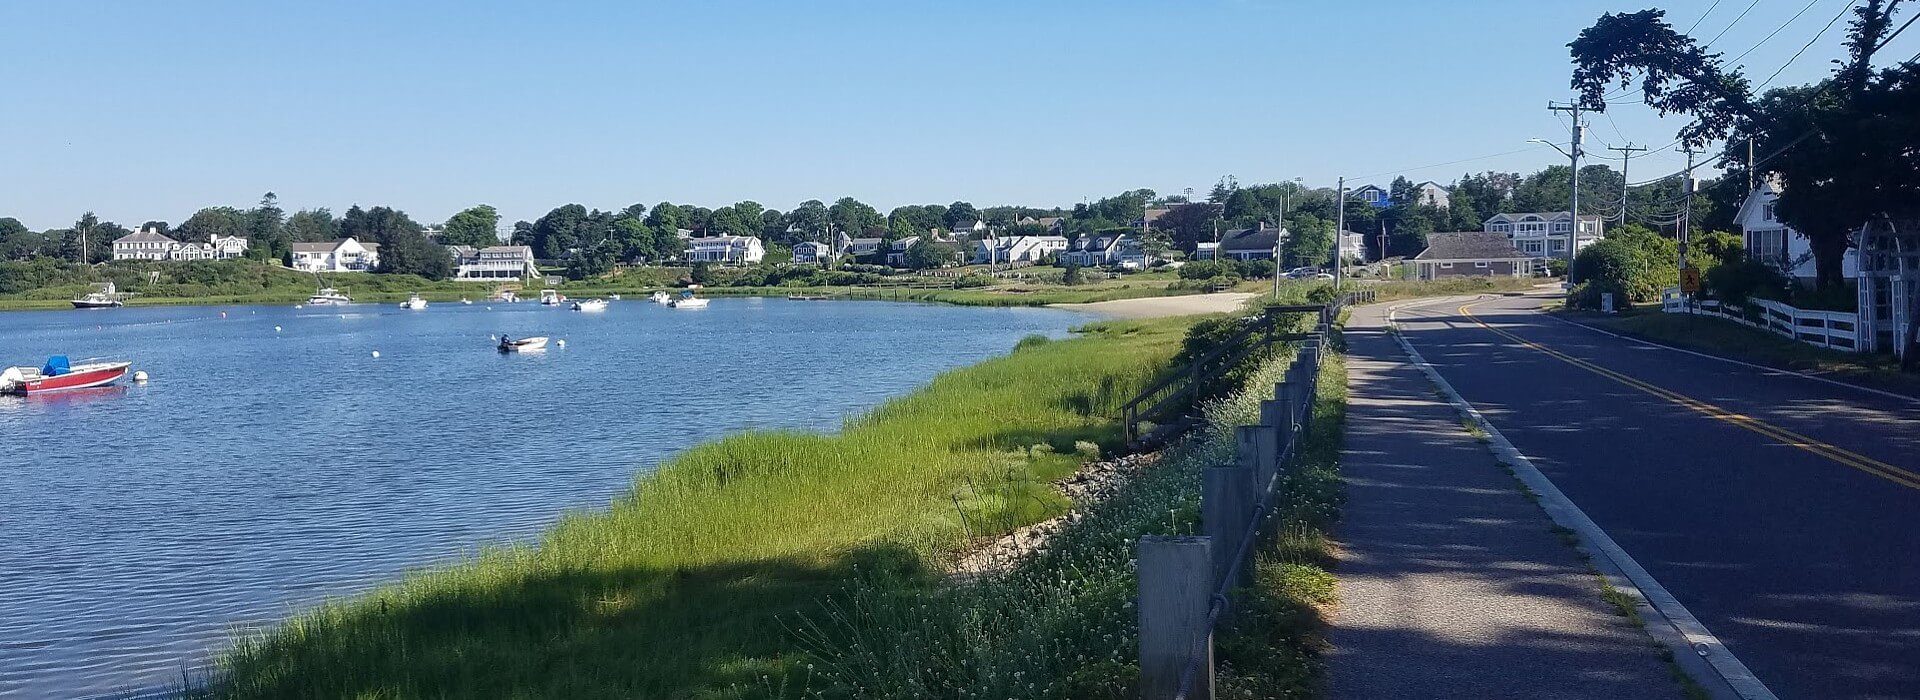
column 1184, row 580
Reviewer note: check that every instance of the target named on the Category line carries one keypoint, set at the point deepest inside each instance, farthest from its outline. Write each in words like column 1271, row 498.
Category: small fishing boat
column 506, row 296
column 328, row 296
column 688, row 301
column 551, row 297
column 465, row 301
column 535, row 343
column 105, row 297
column 661, row 297
column 414, row 303
column 60, row 375
column 613, row 297
column 590, row 305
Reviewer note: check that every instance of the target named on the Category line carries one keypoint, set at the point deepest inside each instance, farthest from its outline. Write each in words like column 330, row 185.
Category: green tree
column 266, row 229
column 19, row 243
column 853, row 216
column 929, row 254
column 561, row 230
column 959, row 214
column 210, row 222
column 476, row 226
column 312, row 226
column 96, row 235
column 809, row 222
column 404, row 246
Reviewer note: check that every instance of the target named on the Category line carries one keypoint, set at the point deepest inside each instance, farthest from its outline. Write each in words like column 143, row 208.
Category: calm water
column 261, row 471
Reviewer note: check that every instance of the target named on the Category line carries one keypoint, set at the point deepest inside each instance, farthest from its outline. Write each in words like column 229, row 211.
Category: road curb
column 1697, row 652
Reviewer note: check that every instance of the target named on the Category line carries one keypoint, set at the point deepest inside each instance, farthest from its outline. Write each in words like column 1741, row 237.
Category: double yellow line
column 1784, row 436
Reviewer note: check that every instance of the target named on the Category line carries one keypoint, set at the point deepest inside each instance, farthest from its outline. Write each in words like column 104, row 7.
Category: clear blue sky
column 150, row 110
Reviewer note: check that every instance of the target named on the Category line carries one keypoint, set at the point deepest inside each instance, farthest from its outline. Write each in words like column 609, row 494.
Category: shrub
column 1251, row 269
column 1636, row 264
column 1204, row 269
column 1738, row 281
column 1031, row 341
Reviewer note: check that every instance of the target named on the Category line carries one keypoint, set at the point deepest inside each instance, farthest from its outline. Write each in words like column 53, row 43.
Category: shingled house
column 1472, row 254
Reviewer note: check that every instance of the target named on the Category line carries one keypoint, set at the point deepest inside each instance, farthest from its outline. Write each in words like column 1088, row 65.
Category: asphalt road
column 1783, row 512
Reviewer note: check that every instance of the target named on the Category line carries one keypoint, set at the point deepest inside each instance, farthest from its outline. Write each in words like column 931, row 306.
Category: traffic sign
column 1690, row 280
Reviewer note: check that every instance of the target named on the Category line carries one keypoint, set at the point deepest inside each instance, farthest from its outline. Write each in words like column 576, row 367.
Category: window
column 1482, row 263
column 1446, row 265
column 1766, row 212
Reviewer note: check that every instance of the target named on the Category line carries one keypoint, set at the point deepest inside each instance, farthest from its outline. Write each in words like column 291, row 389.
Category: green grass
column 1728, row 339
column 692, row 585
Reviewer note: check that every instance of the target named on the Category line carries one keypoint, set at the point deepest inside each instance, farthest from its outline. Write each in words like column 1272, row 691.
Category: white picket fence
column 1834, row 330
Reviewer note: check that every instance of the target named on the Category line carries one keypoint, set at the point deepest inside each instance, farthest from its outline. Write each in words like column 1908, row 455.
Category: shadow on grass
column 718, row 632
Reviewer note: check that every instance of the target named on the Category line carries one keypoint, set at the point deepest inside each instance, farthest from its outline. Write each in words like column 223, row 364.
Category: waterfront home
column 145, row 244
column 1353, row 246
column 1107, row 250
column 1257, row 243
column 1206, row 250
column 1472, row 254
column 1772, row 241
column 1018, row 249
column 1544, row 234
column 968, row 228
column 500, row 262
column 344, row 255
column 865, row 247
column 1373, row 195
column 897, row 251
column 726, row 250
column 812, row 253
column 150, row 244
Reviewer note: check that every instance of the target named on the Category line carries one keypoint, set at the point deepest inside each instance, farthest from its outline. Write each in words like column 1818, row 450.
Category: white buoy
column 276, row 329
column 140, row 377
column 563, row 343
column 376, row 353
column 299, row 306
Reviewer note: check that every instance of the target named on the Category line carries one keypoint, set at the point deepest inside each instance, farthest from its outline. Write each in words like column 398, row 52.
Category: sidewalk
column 1451, row 583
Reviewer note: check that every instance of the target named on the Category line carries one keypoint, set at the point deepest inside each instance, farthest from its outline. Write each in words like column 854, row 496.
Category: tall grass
column 692, row 585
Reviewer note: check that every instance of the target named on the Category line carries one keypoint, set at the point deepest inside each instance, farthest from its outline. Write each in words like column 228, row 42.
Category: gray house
column 1472, row 254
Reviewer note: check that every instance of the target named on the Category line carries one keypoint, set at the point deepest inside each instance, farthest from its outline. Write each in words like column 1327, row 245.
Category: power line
column 1438, row 165
column 1816, row 38
column 1729, row 27
column 1783, row 26
column 1703, row 16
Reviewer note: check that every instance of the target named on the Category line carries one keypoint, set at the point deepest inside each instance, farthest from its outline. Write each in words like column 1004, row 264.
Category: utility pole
column 1626, row 155
column 1686, row 208
column 1573, row 154
column 1339, row 231
column 1750, row 182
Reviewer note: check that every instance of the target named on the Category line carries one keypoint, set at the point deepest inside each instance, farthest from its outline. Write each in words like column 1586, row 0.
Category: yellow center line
column 1777, row 433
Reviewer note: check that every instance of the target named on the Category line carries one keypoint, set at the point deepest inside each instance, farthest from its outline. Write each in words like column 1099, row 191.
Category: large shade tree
column 1846, row 149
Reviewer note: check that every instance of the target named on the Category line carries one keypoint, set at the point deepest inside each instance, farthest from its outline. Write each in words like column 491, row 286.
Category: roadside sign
column 1690, row 280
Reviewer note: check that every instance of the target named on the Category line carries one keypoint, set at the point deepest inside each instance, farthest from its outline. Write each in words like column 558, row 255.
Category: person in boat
column 506, row 343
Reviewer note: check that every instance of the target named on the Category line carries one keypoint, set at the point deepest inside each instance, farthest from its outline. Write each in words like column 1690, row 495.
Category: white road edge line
column 1763, row 368
column 1710, row 663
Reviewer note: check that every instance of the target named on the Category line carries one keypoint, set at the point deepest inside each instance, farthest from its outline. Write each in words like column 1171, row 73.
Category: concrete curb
column 1695, row 650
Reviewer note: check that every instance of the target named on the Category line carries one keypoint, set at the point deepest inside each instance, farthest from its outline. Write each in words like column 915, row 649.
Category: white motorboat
column 590, row 305
column 535, row 343
column 465, row 301
column 688, row 301
column 551, row 297
column 106, row 297
column 661, row 298
column 414, row 303
column 613, row 297
column 506, row 296
column 328, row 296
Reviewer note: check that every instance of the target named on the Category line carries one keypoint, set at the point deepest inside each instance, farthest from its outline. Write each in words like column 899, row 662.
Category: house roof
column 867, row 241
column 1754, row 198
column 144, row 236
column 1443, row 188
column 1542, row 215
column 320, row 247
column 1252, row 238
column 1095, row 244
column 904, row 243
column 1469, row 245
column 515, row 249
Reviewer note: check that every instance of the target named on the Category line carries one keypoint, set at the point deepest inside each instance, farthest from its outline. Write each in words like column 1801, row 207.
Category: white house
column 1121, row 251
column 344, row 255
column 812, row 253
column 500, row 262
column 1544, row 234
column 145, row 244
column 968, row 228
column 1770, row 240
column 150, row 244
column 728, row 250
column 1432, row 193
column 1013, row 249
column 1353, row 245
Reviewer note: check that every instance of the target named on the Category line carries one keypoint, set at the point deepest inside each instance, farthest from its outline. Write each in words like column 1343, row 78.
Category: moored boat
column 60, row 375
column 590, row 305
column 106, row 297
column 506, row 296
column 328, row 296
column 551, row 297
column 688, row 301
column 661, row 297
column 538, row 342
column 414, row 303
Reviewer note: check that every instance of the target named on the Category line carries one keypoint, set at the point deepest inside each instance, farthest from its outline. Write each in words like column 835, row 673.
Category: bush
column 1252, row 269
column 1205, row 270
column 1636, row 264
column 1736, row 282
column 972, row 280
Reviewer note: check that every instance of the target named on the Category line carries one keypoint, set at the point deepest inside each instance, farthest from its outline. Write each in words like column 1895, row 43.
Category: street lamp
column 1573, row 208
column 1286, row 198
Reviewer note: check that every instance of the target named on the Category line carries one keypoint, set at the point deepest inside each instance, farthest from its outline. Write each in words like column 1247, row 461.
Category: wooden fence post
column 1253, row 447
column 1176, row 588
column 1275, row 413
column 1226, row 509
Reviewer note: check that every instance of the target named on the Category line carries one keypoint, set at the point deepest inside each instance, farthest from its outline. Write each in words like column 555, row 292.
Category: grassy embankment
column 1728, row 339
column 1062, row 625
column 693, row 584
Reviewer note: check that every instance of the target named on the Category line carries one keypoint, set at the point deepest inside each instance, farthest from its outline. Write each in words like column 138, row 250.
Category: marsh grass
column 695, row 583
